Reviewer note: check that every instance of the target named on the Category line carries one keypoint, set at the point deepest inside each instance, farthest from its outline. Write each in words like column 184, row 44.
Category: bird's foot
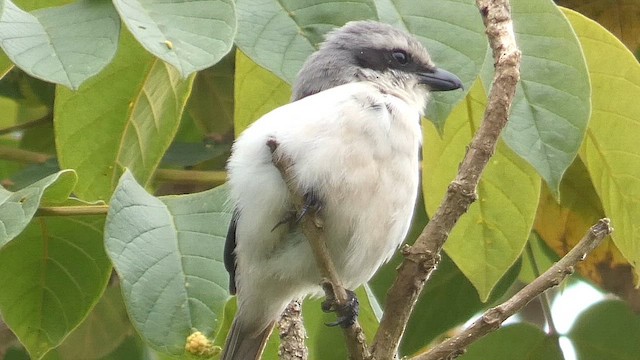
column 347, row 313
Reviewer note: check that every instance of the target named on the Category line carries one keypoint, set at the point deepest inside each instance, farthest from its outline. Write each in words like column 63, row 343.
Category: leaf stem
column 27, row 124
column 192, row 176
column 23, row 156
column 72, row 210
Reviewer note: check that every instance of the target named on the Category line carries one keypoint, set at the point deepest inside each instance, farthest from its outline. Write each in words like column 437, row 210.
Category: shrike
column 353, row 135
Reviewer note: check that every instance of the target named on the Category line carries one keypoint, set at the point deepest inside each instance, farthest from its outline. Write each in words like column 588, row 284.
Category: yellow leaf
column 257, row 91
column 610, row 150
column 621, row 17
column 562, row 225
column 487, row 240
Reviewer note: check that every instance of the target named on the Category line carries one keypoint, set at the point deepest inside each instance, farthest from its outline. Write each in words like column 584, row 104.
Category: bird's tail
column 244, row 344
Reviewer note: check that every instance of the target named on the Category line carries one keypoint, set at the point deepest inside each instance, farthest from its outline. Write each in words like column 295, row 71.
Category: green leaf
column 388, row 13
column 453, row 33
column 190, row 35
column 252, row 83
column 32, row 173
column 17, row 208
column 228, row 313
column 9, row 168
column 132, row 348
column 16, row 354
column 483, row 245
column 188, row 154
column 52, row 275
column 30, row 5
column 552, row 105
column 168, row 255
column 448, row 300
column 607, row 330
column 211, row 101
column 610, row 150
column 280, row 35
column 562, row 225
column 65, row 45
column 518, row 341
column 127, row 116
column 5, row 64
column 9, row 108
column 105, row 328
column 39, row 137
column 33, row 96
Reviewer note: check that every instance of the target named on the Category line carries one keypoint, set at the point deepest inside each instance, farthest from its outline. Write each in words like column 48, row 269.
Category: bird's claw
column 288, row 218
column 312, row 204
column 347, row 313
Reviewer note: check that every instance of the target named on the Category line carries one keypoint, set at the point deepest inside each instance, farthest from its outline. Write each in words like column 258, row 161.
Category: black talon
column 347, row 313
column 288, row 218
column 311, row 204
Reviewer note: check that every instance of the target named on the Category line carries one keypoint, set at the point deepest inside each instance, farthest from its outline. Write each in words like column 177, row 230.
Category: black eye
column 400, row 56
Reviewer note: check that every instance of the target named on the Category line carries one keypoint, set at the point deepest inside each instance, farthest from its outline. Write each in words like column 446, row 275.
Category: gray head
column 376, row 52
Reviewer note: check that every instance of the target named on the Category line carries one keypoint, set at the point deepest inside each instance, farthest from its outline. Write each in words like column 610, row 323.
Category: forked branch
column 422, row 258
column 494, row 317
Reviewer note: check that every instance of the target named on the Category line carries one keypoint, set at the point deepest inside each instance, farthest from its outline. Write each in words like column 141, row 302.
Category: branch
column 214, row 178
column 292, row 333
column 27, row 124
column 312, row 229
column 422, row 258
column 72, row 210
column 493, row 318
column 24, row 156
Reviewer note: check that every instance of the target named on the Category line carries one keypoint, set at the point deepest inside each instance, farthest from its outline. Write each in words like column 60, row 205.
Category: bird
column 352, row 133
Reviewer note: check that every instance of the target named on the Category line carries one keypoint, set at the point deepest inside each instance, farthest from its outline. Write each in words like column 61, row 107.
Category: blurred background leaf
column 609, row 151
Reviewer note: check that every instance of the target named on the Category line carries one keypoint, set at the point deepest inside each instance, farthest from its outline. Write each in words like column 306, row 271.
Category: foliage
column 109, row 105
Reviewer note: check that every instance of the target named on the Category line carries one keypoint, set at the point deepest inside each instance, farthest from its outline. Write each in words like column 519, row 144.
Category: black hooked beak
column 440, row 80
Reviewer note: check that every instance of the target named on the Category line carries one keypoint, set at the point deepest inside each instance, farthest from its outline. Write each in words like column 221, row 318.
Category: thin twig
column 312, row 225
column 494, row 317
column 82, row 210
column 422, row 258
column 545, row 302
column 27, row 124
column 24, row 156
column 213, row 178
